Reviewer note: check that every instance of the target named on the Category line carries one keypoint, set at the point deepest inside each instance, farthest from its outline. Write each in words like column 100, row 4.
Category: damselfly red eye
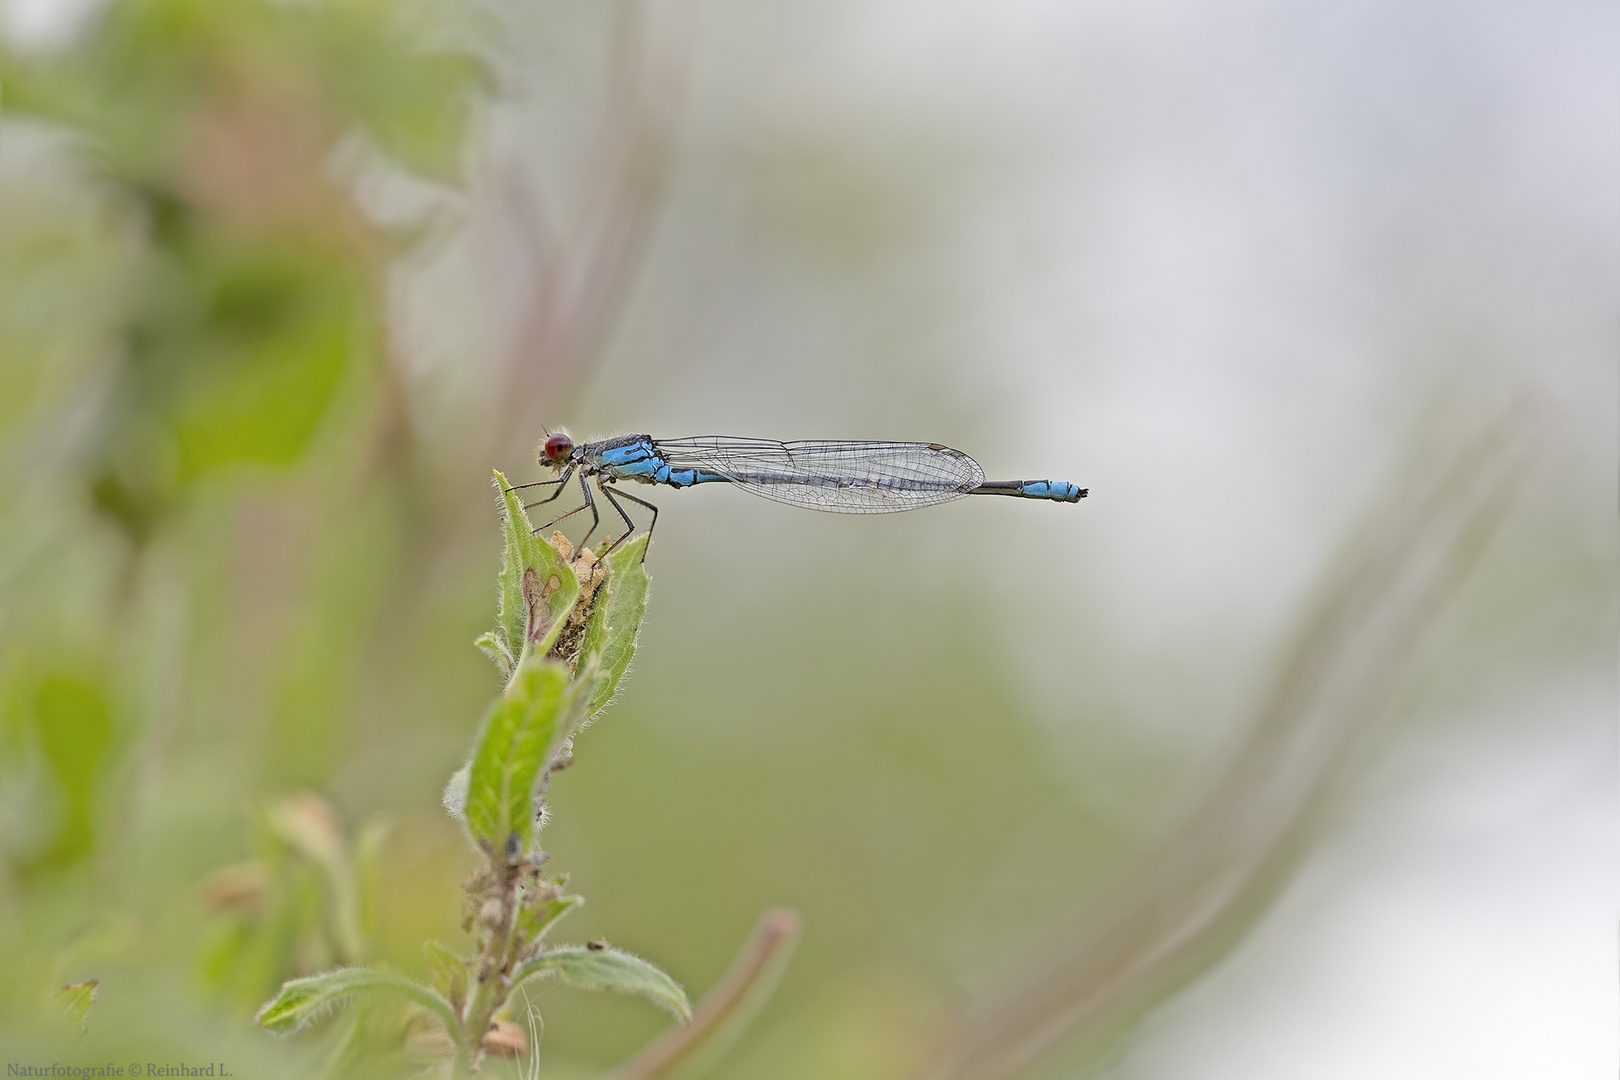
column 558, row 447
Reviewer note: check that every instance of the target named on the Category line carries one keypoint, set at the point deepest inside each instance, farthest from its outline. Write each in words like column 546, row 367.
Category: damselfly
column 836, row 476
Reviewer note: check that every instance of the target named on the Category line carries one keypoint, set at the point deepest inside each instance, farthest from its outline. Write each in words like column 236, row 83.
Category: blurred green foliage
column 191, row 299
column 73, row 727
column 194, row 307
column 248, row 292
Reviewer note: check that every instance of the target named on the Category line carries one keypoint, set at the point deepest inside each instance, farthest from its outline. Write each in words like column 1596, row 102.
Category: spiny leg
column 536, row 483
column 561, row 481
column 609, row 492
column 559, row 519
column 542, row 483
column 571, row 513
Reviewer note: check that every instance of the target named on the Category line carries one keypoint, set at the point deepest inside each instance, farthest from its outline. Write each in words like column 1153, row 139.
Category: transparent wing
column 841, row 477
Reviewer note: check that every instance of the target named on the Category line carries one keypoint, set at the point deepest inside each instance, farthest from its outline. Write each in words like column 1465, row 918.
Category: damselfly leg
column 590, row 503
column 535, row 483
column 629, row 526
column 560, row 483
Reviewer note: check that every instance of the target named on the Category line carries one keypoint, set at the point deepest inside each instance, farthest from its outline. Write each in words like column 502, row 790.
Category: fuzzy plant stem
column 492, row 985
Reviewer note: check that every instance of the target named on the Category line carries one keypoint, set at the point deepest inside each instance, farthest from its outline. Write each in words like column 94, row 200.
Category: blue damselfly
column 843, row 477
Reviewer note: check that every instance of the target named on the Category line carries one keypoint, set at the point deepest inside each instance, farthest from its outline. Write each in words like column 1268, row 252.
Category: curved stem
column 722, row 1015
column 1208, row 883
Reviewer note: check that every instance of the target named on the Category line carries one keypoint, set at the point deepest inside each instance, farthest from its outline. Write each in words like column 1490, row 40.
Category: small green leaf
column 492, row 647
column 534, row 921
column 309, row 825
column 74, row 1000
column 302, row 1001
column 449, row 971
column 537, row 589
column 610, row 635
column 520, row 735
column 608, row 969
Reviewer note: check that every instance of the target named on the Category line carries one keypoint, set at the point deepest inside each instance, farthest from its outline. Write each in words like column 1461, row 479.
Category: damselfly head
column 557, row 449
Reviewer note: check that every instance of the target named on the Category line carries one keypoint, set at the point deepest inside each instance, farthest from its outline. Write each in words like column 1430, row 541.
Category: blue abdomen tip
column 1053, row 489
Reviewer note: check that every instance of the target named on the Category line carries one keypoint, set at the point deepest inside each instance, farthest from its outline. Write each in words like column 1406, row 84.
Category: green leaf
column 262, row 365
column 537, row 589
column 534, row 921
column 524, row 729
column 74, row 1000
column 610, row 635
column 608, row 969
column 309, row 825
column 75, row 728
column 302, row 1001
column 492, row 646
column 449, row 971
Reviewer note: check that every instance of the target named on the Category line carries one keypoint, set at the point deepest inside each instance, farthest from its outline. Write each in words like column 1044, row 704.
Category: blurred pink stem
column 721, row 1016
column 577, row 288
column 1187, row 903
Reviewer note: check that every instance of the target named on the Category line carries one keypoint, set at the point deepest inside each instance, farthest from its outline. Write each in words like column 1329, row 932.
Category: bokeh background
column 282, row 281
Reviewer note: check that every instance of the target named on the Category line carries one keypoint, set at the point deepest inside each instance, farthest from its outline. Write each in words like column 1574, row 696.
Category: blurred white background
column 1216, row 262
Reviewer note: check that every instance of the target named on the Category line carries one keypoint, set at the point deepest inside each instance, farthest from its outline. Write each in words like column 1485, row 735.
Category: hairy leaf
column 537, row 590
column 449, row 971
column 454, row 799
column 520, row 735
column 491, row 645
column 608, row 969
column 536, row 920
column 301, row 1001
column 610, row 635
